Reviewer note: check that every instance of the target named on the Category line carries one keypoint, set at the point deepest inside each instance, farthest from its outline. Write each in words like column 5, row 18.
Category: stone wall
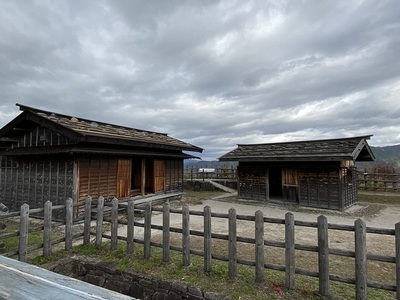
column 128, row 282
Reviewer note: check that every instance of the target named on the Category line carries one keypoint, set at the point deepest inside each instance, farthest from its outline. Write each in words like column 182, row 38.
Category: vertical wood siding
column 124, row 175
column 35, row 181
column 174, row 175
column 320, row 188
column 97, row 177
column 252, row 183
column 159, row 175
column 41, row 136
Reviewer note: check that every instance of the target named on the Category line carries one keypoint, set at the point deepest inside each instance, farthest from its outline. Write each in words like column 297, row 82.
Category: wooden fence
column 210, row 173
column 378, row 181
column 209, row 236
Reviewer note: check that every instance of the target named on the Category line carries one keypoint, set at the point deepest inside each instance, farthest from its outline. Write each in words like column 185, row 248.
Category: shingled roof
column 354, row 148
column 88, row 131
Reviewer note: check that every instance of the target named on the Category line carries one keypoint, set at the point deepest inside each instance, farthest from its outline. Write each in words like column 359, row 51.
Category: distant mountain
column 387, row 154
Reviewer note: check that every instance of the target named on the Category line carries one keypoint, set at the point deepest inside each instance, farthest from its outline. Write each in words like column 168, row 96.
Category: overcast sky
column 212, row 73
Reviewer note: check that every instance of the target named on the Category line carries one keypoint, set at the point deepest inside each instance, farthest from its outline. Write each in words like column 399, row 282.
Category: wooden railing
column 210, row 235
column 210, row 173
column 378, row 181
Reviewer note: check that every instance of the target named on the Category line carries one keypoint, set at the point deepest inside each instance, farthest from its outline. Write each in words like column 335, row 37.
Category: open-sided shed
column 317, row 173
column 51, row 156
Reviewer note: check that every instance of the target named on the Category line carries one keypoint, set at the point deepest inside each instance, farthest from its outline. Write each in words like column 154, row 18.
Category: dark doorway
column 275, row 182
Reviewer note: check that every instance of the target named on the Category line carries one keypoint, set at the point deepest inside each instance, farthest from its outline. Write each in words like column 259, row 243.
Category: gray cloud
column 214, row 73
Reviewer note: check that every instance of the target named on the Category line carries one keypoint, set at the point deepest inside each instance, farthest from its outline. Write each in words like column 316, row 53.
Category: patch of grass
column 390, row 198
column 12, row 243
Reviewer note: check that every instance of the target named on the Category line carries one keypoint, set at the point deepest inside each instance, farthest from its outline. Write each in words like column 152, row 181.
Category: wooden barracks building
column 318, row 173
column 50, row 156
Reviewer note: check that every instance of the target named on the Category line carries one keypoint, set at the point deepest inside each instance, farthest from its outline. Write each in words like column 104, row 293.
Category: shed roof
column 353, row 148
column 88, row 131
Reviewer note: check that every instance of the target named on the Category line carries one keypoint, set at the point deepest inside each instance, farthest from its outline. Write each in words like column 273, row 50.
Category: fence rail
column 210, row 173
column 378, row 181
column 211, row 235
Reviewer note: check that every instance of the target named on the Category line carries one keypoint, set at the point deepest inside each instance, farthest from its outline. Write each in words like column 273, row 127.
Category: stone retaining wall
column 128, row 282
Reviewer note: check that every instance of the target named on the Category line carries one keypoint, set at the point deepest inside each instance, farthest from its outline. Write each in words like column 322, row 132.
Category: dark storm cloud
column 214, row 73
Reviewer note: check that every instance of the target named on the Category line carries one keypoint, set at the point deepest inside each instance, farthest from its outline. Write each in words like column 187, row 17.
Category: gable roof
column 87, row 131
column 354, row 148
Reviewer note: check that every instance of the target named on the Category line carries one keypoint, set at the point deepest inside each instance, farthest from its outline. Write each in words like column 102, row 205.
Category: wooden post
column 143, row 179
column 360, row 259
column 166, row 225
column 88, row 220
column 69, row 219
column 147, row 231
column 131, row 229
column 259, row 246
column 365, row 179
column 289, row 251
column 232, row 243
column 114, row 224
column 207, row 240
column 323, row 256
column 397, row 239
column 185, row 236
column 394, row 182
column 47, row 216
column 23, row 232
column 99, row 221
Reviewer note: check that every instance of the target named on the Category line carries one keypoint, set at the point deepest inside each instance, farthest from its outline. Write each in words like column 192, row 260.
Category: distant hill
column 388, row 155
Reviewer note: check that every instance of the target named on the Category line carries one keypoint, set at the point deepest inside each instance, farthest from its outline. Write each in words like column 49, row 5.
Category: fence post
column 397, row 239
column 88, row 220
column 68, row 223
column 289, row 251
column 185, row 236
column 360, row 259
column 99, row 221
column 23, row 233
column 232, row 244
column 131, row 229
column 166, row 224
column 323, row 256
column 259, row 246
column 147, row 231
column 114, row 224
column 207, row 240
column 47, row 216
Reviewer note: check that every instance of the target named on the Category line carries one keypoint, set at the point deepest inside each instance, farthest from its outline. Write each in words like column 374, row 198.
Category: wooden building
column 316, row 173
column 50, row 156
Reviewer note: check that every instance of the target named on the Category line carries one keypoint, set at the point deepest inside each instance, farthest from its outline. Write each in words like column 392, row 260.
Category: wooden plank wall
column 252, row 183
column 174, row 175
column 35, row 181
column 319, row 188
column 97, row 177
column 41, row 136
column 350, row 188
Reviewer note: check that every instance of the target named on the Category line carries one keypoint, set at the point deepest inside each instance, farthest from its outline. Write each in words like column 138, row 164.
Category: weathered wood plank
column 23, row 281
column 166, row 232
column 323, row 256
column 289, row 251
column 207, row 239
column 232, row 243
column 68, row 224
column 130, row 231
column 360, row 259
column 23, row 233
column 185, row 236
column 259, row 246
